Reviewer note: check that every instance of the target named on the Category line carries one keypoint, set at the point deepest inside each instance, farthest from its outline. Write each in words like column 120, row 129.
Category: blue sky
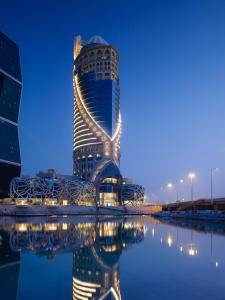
column 172, row 77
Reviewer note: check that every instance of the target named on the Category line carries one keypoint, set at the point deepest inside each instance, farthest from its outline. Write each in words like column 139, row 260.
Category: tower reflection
column 95, row 247
column 96, row 267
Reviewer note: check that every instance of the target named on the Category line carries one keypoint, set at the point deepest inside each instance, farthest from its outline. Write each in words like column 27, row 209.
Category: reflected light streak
column 170, row 240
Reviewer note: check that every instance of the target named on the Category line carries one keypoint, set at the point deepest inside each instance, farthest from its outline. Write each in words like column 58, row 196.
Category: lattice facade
column 133, row 194
column 73, row 190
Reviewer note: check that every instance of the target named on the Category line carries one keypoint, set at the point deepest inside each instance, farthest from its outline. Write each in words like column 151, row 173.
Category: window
column 99, row 75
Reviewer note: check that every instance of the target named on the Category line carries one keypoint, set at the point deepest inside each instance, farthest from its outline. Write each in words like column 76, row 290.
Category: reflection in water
column 9, row 268
column 80, row 259
column 96, row 248
column 96, row 267
column 187, row 246
column 50, row 238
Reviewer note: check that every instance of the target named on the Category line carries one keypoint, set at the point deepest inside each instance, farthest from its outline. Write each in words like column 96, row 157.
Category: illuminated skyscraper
column 10, row 92
column 97, row 119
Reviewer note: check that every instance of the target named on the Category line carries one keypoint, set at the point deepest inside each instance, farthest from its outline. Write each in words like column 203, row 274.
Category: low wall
column 41, row 210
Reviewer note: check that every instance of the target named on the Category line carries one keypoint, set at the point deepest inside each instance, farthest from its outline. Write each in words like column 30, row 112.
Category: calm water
column 126, row 258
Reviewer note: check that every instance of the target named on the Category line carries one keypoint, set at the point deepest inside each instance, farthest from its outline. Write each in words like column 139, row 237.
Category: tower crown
column 97, row 39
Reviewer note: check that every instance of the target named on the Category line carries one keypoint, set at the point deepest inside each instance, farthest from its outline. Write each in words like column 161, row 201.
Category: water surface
column 110, row 258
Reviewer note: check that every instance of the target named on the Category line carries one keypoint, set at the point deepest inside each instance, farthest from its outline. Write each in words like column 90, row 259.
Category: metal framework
column 73, row 190
column 133, row 194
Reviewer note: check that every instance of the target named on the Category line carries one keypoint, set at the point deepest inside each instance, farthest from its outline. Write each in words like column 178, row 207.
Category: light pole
column 211, row 182
column 170, row 186
column 192, row 176
column 181, row 181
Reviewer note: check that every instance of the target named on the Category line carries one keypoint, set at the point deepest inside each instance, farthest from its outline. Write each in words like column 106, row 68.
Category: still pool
column 111, row 258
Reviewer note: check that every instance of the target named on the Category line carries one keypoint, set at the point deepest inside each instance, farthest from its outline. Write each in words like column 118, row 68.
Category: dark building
column 10, row 92
column 97, row 119
column 9, row 268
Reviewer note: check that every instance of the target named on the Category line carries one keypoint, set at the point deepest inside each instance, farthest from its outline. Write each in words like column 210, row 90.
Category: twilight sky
column 172, row 77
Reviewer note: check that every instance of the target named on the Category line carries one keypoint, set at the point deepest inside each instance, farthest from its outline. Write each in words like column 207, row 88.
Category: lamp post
column 170, row 186
column 192, row 176
column 181, row 181
column 211, row 182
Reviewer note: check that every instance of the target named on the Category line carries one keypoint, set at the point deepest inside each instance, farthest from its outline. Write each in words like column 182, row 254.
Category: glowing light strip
column 79, row 297
column 118, row 127
column 82, row 293
column 83, row 130
column 86, row 289
column 108, row 292
column 79, row 136
column 77, row 117
column 77, row 127
column 91, row 138
column 87, row 111
column 77, row 112
column 79, row 122
column 99, row 168
column 89, row 144
column 88, row 284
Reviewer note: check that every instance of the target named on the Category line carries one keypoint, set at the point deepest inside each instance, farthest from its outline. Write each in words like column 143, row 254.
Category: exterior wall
column 97, row 122
column 10, row 93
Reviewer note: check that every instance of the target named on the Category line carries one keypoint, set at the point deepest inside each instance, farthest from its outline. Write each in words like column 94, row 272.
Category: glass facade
column 9, row 147
column 10, row 93
column 9, row 57
column 101, row 97
column 97, row 120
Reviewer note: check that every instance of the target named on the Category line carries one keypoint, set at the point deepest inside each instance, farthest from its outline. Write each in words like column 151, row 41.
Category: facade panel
column 9, row 57
column 9, row 148
column 10, row 93
column 7, row 171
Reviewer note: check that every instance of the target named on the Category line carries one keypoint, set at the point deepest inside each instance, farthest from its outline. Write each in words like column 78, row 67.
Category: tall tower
column 97, row 119
column 10, row 92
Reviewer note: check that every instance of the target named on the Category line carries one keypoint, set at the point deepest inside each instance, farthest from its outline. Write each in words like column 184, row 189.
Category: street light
column 211, row 182
column 171, row 186
column 192, row 176
column 181, row 181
